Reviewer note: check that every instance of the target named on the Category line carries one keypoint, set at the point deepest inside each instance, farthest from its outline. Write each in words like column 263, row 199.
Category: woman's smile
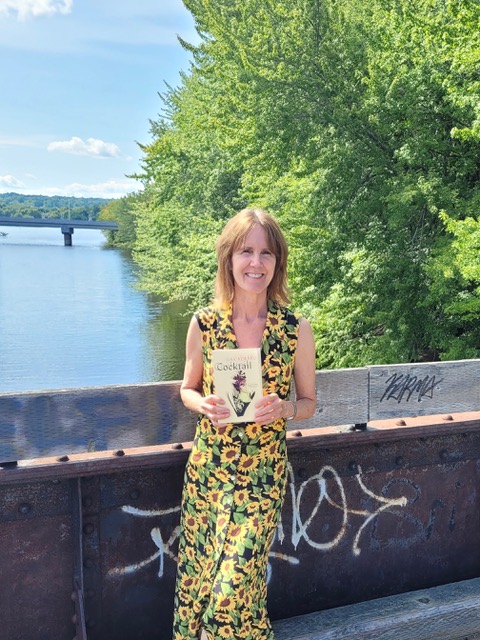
column 253, row 263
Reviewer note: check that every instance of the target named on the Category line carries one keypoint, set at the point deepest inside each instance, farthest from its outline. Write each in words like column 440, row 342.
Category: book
column 237, row 378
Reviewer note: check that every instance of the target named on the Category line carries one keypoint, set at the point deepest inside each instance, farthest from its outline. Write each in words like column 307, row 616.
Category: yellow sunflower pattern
column 235, row 483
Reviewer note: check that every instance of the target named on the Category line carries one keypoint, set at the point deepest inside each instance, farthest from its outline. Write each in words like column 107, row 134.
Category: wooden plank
column 403, row 390
column 63, row 422
column 342, row 398
column 447, row 612
column 53, row 423
column 60, row 422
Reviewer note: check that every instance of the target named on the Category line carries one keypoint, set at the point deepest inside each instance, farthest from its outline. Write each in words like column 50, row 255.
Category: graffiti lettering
column 403, row 387
column 301, row 529
column 164, row 548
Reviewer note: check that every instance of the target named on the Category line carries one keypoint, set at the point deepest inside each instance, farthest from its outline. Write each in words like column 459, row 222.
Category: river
column 73, row 317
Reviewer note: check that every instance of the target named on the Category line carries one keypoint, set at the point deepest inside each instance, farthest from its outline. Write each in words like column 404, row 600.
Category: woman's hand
column 270, row 408
column 215, row 409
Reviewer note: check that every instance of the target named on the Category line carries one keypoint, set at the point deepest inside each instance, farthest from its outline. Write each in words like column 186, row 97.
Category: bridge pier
column 67, row 236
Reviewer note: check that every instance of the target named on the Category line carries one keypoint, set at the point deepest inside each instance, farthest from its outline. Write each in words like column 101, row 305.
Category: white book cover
column 237, row 378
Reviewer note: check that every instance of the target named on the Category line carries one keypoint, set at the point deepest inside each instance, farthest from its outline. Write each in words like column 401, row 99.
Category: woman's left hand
column 269, row 409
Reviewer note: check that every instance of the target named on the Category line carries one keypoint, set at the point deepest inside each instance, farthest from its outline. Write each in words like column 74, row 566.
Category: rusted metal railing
column 90, row 492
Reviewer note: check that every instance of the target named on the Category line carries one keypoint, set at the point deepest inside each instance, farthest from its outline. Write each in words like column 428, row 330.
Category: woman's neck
column 249, row 308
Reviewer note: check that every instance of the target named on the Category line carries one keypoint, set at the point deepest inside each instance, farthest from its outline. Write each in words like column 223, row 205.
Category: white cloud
column 109, row 189
column 25, row 9
column 92, row 147
column 10, row 182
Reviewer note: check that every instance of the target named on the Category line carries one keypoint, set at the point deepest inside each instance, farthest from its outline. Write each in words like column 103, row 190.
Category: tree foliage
column 120, row 211
column 357, row 124
column 15, row 205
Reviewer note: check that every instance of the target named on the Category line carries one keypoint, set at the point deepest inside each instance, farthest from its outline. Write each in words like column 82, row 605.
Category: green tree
column 357, row 124
column 121, row 212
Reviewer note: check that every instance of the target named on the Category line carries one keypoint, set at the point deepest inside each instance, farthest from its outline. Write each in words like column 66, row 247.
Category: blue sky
column 80, row 81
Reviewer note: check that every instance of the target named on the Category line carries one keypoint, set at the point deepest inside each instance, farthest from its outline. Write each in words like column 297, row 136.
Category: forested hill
column 32, row 206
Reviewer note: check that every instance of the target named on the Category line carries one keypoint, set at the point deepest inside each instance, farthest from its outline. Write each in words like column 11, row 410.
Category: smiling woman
column 253, row 263
column 236, row 474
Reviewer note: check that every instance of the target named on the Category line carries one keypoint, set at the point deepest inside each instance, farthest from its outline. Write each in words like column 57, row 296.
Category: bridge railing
column 61, row 422
column 8, row 221
column 66, row 225
column 89, row 515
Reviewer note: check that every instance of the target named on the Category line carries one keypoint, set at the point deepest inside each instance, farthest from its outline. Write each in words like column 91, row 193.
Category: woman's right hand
column 215, row 409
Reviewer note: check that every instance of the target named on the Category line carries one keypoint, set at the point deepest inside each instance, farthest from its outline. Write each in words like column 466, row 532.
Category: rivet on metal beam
column 87, row 502
column 24, row 508
column 401, row 423
column 177, row 445
column 449, row 417
column 63, row 459
column 443, row 454
column 119, row 453
column 399, row 461
column 352, row 465
column 297, row 434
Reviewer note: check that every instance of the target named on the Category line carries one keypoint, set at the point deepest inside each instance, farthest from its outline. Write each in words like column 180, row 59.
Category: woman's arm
column 272, row 407
column 191, row 388
column 304, row 372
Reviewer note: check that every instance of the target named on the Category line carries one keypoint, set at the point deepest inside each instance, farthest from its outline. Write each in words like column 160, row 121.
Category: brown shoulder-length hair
column 233, row 236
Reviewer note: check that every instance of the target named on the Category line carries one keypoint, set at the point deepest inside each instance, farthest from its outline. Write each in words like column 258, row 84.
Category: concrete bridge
column 66, row 226
column 378, row 536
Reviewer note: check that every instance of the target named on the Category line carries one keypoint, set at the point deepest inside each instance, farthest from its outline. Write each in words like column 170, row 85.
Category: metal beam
column 387, row 511
column 6, row 221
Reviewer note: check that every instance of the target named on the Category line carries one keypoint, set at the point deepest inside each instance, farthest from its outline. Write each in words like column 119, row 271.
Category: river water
column 72, row 316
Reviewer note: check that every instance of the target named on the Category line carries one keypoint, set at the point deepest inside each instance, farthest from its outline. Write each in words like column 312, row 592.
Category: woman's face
column 253, row 263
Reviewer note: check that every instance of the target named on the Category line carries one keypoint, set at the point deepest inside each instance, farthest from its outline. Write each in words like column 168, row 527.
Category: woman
column 236, row 474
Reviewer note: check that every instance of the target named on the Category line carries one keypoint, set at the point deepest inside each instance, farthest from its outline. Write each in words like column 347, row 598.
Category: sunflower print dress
column 235, row 482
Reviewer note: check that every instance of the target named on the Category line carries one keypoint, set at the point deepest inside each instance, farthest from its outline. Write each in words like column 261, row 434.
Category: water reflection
column 165, row 335
column 72, row 316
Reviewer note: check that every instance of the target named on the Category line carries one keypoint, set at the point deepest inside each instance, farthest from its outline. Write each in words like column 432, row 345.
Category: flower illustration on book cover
column 240, row 397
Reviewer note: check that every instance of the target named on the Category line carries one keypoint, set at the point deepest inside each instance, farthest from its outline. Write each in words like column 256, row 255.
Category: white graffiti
column 164, row 548
column 301, row 528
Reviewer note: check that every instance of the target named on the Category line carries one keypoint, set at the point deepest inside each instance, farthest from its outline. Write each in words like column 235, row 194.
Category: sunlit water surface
column 72, row 316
